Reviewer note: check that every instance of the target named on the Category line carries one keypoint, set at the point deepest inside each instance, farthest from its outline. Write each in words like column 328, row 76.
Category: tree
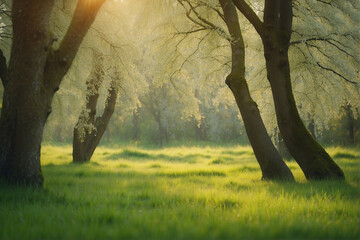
column 270, row 161
column 157, row 102
column 90, row 128
column 344, row 128
column 35, row 72
column 275, row 32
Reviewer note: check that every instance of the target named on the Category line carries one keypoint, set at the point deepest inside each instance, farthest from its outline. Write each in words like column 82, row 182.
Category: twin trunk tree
column 275, row 32
column 89, row 128
column 34, row 74
column 269, row 159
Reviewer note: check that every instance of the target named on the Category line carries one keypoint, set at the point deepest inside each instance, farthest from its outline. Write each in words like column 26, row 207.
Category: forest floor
column 179, row 193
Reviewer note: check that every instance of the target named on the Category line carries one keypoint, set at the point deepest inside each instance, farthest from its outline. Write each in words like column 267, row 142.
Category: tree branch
column 60, row 60
column 251, row 16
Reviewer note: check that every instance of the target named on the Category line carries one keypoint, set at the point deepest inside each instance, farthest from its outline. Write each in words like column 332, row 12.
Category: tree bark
column 89, row 128
column 275, row 33
column 25, row 106
column 34, row 74
column 309, row 154
column 270, row 161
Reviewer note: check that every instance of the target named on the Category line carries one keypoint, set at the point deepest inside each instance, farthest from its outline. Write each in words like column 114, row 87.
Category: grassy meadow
column 179, row 193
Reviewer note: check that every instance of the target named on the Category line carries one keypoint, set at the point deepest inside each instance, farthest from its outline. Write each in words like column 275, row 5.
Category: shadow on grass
column 330, row 189
column 139, row 155
column 192, row 174
column 246, row 168
column 83, row 171
column 345, row 155
column 237, row 153
column 26, row 195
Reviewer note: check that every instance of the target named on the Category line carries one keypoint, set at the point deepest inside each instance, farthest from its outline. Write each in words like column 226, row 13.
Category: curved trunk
column 308, row 153
column 270, row 161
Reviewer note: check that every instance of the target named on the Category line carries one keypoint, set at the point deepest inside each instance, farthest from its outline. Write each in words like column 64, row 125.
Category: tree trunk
column 89, row 130
column 83, row 149
column 308, row 153
column 270, row 161
column 275, row 33
column 312, row 158
column 26, row 103
column 34, row 75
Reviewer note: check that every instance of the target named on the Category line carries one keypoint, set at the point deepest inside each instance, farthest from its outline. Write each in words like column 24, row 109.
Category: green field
column 179, row 193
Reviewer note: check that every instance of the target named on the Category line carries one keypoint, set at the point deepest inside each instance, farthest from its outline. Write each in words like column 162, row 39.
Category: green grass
column 179, row 193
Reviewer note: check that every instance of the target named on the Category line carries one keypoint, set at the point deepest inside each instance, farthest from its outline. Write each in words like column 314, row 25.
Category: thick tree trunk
column 270, row 161
column 312, row 158
column 89, row 130
column 26, row 103
column 34, row 74
column 275, row 33
column 308, row 153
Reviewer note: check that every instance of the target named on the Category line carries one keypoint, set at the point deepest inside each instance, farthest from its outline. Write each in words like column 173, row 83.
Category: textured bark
column 309, row 154
column 270, row 161
column 86, row 140
column 275, row 33
column 31, row 84
column 25, row 106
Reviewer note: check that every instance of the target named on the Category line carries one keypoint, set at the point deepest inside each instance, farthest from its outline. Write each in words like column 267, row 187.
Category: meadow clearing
column 179, row 193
